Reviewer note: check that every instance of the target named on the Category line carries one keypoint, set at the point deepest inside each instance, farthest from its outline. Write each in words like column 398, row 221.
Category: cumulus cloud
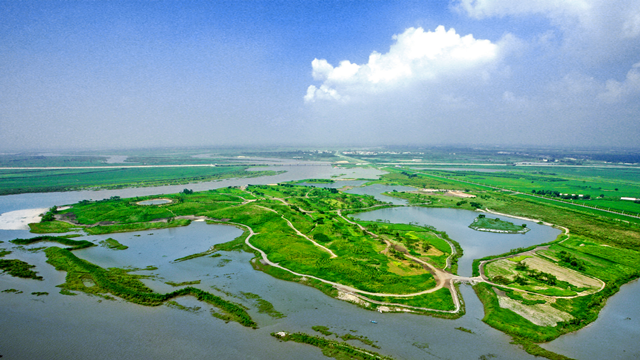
column 596, row 29
column 415, row 56
column 620, row 90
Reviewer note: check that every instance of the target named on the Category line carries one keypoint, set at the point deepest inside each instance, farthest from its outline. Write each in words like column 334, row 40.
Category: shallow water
column 154, row 202
column 78, row 327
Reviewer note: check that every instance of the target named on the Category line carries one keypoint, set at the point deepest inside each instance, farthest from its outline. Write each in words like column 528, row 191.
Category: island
column 483, row 223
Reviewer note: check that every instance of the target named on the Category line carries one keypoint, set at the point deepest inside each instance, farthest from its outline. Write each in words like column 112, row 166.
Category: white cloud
column 594, row 29
column 415, row 56
column 618, row 91
column 480, row 9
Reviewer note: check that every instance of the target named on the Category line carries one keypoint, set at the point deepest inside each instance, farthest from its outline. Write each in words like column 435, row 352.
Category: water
column 376, row 191
column 154, row 202
column 78, row 327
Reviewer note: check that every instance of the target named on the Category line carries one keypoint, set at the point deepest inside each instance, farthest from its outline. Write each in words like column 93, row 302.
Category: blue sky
column 167, row 73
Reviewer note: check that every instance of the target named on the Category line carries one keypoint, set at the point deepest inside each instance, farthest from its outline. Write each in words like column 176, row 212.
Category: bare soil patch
column 539, row 314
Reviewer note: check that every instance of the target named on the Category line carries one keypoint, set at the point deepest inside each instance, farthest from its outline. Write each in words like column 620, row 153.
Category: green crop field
column 13, row 181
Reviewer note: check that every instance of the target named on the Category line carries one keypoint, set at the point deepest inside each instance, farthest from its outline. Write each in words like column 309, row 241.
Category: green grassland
column 50, row 227
column 15, row 181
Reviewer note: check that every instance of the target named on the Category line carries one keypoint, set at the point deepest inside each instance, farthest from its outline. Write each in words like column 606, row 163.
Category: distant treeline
column 554, row 193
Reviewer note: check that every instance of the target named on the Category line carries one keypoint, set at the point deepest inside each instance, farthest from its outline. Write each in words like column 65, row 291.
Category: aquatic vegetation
column 113, row 244
column 264, row 306
column 73, row 244
column 19, row 268
column 174, row 284
column 332, row 348
column 120, row 283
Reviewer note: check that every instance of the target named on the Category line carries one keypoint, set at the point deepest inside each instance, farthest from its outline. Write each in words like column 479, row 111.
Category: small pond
column 155, row 202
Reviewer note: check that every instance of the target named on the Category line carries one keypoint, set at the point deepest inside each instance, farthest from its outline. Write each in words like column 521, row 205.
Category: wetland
column 151, row 256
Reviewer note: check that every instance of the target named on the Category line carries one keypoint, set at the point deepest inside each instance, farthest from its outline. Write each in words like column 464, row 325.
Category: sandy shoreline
column 20, row 219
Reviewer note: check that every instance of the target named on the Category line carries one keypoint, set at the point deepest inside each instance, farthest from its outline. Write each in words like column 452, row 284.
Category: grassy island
column 483, row 223
column 332, row 348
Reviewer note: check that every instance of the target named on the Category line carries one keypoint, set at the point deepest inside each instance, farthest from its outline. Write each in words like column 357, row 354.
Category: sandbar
column 20, row 219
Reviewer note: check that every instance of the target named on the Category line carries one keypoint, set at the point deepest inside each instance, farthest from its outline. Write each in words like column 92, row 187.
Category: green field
column 13, row 181
column 599, row 187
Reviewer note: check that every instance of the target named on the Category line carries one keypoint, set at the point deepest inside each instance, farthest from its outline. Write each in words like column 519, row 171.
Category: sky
column 129, row 74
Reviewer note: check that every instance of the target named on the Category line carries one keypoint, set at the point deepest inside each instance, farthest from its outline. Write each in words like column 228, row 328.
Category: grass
column 50, row 227
column 482, row 223
column 73, row 244
column 322, row 329
column 463, row 329
column 118, row 228
column 113, row 244
column 264, row 307
column 19, row 268
column 12, row 291
column 333, row 348
column 176, row 305
column 175, row 284
column 439, row 300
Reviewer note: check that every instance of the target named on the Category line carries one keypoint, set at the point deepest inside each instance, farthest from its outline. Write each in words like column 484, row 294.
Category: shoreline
column 20, row 219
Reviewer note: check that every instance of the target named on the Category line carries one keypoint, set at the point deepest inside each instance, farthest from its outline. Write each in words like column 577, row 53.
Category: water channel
column 82, row 326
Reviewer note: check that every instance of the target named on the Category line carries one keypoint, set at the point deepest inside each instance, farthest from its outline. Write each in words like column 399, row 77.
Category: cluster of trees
column 554, row 193
column 570, row 260
column 187, row 192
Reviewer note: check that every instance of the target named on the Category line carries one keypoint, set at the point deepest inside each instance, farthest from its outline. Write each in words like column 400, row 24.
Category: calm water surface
column 79, row 327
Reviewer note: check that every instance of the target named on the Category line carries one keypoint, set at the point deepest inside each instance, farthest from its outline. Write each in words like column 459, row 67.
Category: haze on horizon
column 220, row 73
